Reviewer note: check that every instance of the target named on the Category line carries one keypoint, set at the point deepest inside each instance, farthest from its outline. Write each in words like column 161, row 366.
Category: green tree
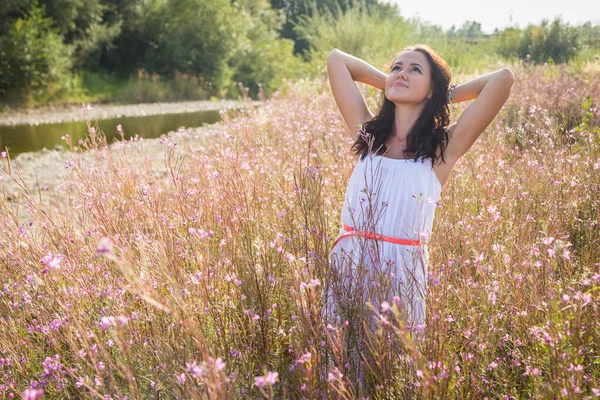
column 555, row 41
column 508, row 42
column 88, row 26
column 196, row 37
column 470, row 30
column 33, row 55
column 297, row 10
column 262, row 56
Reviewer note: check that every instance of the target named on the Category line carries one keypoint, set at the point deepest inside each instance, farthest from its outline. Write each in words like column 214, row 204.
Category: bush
column 33, row 56
column 556, row 42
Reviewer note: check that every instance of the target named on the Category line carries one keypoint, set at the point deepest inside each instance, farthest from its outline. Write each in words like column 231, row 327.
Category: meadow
column 206, row 280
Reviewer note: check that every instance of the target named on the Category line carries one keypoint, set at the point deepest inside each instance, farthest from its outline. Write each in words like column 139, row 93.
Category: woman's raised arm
column 490, row 92
column 343, row 70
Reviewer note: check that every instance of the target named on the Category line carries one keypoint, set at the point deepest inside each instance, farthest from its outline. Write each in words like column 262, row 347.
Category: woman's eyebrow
column 400, row 62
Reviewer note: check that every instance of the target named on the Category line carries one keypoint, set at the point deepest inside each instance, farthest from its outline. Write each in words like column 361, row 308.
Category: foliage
column 33, row 56
column 218, row 44
column 373, row 37
column 555, row 42
column 297, row 10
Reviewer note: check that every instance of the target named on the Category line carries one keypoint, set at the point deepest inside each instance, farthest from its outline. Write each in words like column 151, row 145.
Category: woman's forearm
column 470, row 90
column 360, row 70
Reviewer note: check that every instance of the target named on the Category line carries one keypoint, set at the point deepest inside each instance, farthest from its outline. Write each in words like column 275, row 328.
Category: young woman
column 406, row 153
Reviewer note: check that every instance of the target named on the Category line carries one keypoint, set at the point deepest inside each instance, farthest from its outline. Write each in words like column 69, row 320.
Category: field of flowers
column 205, row 280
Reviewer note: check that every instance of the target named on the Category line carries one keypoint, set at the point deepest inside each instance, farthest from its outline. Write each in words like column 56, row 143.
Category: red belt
column 370, row 235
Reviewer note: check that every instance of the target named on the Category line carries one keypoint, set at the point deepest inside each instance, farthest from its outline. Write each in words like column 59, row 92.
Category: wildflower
column 104, row 246
column 3, row 154
column 104, row 323
column 119, row 128
column 52, row 262
column 80, row 381
column 180, row 378
column 531, row 371
column 334, row 375
column 195, row 369
column 32, row 394
column 269, row 379
column 219, row 364
column 385, row 306
column 305, row 358
column 313, row 283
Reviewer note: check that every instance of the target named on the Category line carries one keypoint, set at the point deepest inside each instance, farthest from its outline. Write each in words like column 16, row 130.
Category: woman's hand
column 343, row 70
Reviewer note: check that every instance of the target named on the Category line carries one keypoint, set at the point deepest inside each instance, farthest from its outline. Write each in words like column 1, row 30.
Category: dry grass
column 195, row 283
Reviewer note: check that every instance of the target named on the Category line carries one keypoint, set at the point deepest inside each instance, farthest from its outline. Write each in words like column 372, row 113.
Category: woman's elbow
column 333, row 53
column 508, row 75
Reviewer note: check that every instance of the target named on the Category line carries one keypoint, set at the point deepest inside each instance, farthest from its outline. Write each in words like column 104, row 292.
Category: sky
column 498, row 14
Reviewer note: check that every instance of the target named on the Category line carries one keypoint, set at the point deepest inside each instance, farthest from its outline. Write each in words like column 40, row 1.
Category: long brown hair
column 429, row 131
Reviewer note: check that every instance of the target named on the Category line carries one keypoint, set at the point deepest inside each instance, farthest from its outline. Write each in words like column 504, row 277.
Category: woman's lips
column 400, row 84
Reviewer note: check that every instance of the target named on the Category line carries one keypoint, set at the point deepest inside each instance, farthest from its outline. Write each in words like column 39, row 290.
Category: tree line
column 46, row 46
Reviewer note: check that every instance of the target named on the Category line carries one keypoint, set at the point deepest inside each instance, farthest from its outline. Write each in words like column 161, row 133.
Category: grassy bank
column 89, row 87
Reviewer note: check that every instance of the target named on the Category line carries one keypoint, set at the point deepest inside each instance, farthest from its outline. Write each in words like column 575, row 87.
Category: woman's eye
column 416, row 69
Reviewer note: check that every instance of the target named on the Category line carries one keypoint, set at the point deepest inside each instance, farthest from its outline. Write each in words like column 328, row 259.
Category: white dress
column 390, row 197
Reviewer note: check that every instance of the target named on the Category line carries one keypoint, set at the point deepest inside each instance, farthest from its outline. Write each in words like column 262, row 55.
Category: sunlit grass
column 203, row 278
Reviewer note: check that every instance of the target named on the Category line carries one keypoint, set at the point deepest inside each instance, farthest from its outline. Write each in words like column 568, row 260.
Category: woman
column 406, row 153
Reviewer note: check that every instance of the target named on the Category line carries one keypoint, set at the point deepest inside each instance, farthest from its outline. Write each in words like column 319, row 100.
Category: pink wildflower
column 32, row 394
column 104, row 246
column 268, row 379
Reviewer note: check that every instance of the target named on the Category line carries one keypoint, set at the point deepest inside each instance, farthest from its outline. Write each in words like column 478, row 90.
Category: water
column 23, row 138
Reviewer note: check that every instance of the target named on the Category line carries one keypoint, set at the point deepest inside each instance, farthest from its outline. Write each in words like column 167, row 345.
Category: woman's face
column 409, row 81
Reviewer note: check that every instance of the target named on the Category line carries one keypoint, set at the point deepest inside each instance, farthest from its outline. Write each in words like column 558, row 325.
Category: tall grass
column 203, row 278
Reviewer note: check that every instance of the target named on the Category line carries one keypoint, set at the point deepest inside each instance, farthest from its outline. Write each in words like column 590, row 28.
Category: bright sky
column 492, row 14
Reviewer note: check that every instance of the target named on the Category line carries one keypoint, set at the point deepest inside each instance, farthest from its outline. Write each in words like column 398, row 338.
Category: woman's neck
column 405, row 117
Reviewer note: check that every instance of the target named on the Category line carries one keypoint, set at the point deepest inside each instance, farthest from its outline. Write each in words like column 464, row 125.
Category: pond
column 24, row 138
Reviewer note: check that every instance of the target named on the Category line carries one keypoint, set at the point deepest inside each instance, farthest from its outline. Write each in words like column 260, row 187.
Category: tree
column 556, row 41
column 295, row 10
column 470, row 30
column 33, row 55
